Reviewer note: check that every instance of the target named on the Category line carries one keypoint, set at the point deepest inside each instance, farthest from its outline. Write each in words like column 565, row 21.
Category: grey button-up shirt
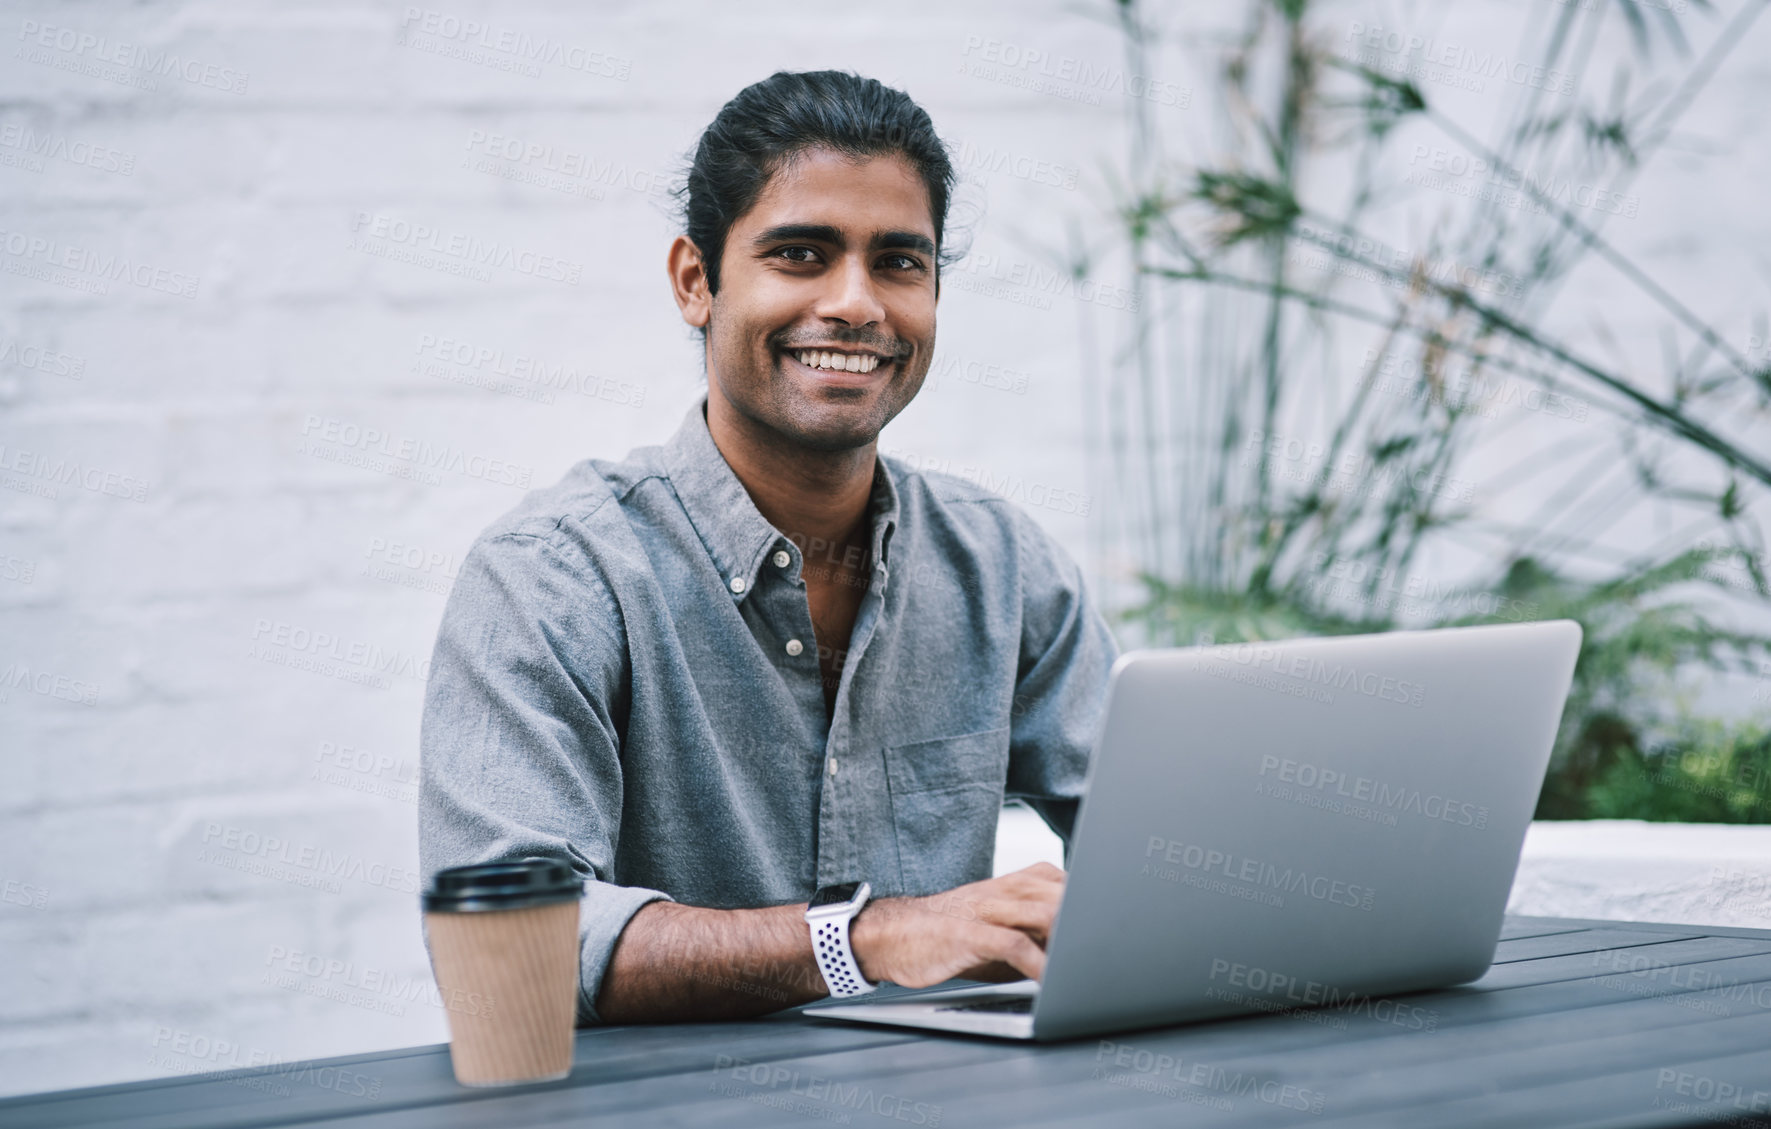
column 626, row 677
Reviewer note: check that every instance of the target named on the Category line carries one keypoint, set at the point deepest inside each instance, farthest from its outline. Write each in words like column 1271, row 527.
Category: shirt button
column 737, row 584
column 833, row 766
column 794, row 646
column 782, row 560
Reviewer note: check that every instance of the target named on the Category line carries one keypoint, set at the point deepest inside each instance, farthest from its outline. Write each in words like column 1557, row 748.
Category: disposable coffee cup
column 504, row 947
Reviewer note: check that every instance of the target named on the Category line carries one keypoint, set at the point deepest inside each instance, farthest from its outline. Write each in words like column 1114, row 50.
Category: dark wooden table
column 1579, row 1023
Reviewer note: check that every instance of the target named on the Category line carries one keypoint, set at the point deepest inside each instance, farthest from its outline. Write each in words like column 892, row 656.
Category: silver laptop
column 1310, row 824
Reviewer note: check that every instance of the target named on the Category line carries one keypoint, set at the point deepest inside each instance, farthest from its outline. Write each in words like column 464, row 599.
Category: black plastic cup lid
column 502, row 885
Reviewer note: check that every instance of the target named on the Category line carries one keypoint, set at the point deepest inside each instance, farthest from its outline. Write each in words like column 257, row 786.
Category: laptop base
column 1001, row 1011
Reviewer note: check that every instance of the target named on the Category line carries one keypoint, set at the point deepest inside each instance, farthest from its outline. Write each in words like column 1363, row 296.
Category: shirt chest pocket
column 946, row 797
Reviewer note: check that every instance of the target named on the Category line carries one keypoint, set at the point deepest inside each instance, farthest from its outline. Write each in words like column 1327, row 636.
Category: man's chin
column 831, row 427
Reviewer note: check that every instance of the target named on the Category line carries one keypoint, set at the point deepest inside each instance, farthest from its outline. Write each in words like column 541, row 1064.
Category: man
column 760, row 660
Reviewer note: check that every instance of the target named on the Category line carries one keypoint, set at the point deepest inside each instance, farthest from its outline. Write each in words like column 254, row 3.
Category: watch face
column 835, row 895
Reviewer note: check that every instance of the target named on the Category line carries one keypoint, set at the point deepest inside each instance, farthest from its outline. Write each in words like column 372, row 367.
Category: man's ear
column 688, row 281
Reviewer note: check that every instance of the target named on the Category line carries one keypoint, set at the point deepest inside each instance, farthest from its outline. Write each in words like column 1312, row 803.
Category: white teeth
column 839, row 362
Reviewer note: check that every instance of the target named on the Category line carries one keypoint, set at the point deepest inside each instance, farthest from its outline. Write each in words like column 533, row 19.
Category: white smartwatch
column 829, row 913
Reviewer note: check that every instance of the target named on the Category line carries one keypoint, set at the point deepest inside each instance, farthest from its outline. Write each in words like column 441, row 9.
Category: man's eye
column 798, row 254
column 903, row 262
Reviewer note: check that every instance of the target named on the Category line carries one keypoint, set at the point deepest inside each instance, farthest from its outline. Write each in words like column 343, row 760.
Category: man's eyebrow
column 810, row 232
column 830, row 234
column 904, row 241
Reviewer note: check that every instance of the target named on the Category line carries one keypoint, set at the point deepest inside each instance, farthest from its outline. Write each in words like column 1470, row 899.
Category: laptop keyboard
column 1019, row 1005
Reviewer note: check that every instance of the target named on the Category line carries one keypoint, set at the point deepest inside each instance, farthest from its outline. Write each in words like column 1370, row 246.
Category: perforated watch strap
column 830, row 944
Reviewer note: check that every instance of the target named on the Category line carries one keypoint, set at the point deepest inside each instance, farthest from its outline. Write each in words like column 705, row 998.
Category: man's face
column 824, row 324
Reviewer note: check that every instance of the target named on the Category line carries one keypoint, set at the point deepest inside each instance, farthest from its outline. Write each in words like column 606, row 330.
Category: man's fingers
column 1031, row 910
column 995, row 972
column 997, row 955
column 1032, row 917
column 975, row 950
column 1041, row 880
column 1017, row 949
column 1025, row 900
column 1038, row 876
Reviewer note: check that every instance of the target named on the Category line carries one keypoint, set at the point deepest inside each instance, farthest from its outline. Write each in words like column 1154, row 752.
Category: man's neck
column 806, row 494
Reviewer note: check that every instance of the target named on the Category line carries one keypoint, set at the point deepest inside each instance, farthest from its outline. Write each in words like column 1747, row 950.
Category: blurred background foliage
column 1270, row 489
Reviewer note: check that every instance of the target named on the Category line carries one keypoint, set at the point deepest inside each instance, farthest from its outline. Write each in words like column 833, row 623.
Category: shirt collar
column 736, row 534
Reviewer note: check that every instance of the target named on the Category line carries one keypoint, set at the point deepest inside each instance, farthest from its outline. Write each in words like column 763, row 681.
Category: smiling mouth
column 830, row 360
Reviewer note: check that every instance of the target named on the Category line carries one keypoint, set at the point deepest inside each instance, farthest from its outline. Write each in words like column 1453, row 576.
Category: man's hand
column 677, row 962
column 994, row 930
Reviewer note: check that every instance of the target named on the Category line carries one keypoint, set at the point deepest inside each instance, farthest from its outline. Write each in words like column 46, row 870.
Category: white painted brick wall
column 123, row 944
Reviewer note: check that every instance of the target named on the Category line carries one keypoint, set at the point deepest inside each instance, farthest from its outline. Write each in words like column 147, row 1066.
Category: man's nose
column 852, row 296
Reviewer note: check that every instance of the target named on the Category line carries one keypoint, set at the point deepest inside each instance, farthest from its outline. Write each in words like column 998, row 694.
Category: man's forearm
column 674, row 962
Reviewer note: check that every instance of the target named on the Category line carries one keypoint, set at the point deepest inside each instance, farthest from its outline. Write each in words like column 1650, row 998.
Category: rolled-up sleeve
column 520, row 739
column 1067, row 652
